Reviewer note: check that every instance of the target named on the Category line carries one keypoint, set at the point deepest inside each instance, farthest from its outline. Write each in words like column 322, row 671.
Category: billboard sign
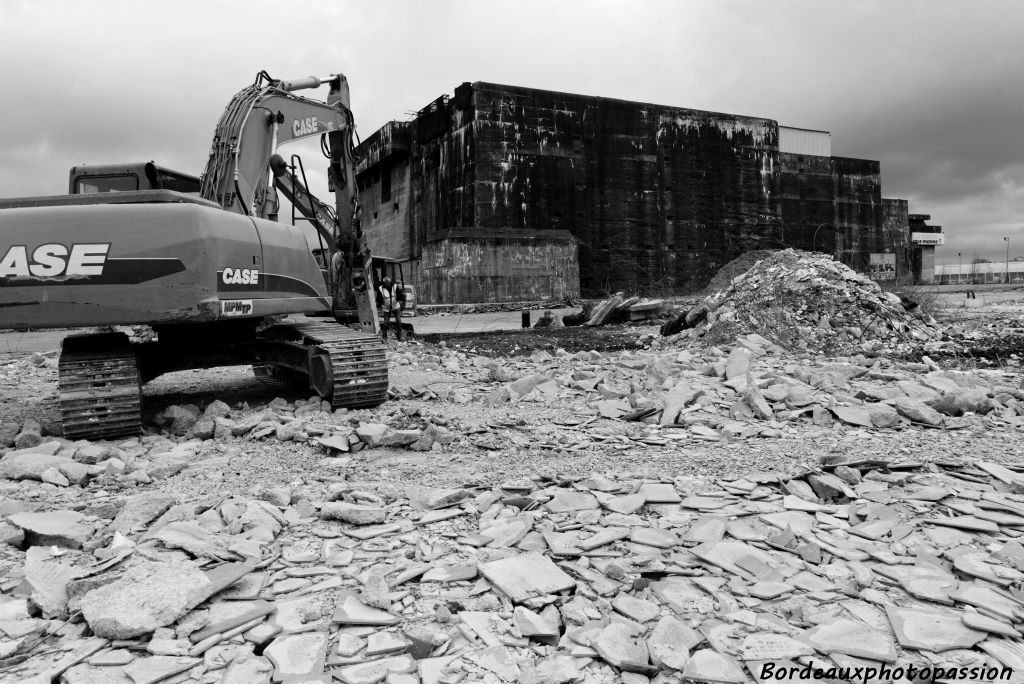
column 882, row 266
column 928, row 238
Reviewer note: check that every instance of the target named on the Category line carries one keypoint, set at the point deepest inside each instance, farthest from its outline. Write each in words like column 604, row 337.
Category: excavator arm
column 244, row 169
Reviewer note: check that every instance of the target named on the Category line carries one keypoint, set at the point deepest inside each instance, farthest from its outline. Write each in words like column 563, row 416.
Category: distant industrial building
column 503, row 193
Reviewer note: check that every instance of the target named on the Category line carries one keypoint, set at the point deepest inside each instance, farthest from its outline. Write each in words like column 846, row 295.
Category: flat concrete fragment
column 683, row 596
column 626, row 505
column 508, row 531
column 375, row 671
column 352, row 611
column 53, row 528
column 770, row 646
column 670, row 642
column 659, row 492
column 930, row 630
column 526, row 576
column 430, row 498
column 93, row 674
column 450, row 573
column 380, row 643
column 678, row 398
column 636, row 609
column 918, row 412
column 148, row 596
column 140, row 510
column 605, row 536
column 651, row 536
column 708, row 665
column 297, row 655
column 113, row 658
column 158, row 668
column 853, row 415
column 852, row 638
column 965, row 522
column 707, row 528
column 248, row 669
column 615, row 643
column 927, row 493
column 987, row 624
column 531, row 624
column 566, row 501
column 1009, row 653
column 241, row 612
column 498, row 660
column 19, row 465
column 726, row 555
column 353, row 513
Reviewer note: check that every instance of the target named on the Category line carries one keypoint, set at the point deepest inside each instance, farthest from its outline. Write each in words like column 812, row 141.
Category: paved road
column 49, row 340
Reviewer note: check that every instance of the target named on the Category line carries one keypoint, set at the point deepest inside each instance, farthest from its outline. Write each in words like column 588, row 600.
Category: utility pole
column 1007, row 259
column 960, row 269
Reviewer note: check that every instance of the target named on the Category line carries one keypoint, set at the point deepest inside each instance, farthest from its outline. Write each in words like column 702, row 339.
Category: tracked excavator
column 204, row 263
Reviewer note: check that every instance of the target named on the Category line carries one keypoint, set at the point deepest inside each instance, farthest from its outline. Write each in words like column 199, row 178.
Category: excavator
column 205, row 263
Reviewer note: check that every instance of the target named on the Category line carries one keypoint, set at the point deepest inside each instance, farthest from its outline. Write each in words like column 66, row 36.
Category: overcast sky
column 931, row 88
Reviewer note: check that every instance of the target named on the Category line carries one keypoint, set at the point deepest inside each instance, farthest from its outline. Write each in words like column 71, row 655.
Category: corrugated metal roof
column 805, row 141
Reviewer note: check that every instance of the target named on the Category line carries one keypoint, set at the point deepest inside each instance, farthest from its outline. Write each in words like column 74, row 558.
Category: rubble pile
column 596, row 578
column 807, row 302
column 726, row 274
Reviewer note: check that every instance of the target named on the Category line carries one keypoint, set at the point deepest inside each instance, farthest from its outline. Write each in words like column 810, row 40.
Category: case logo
column 240, row 276
column 54, row 259
column 305, row 126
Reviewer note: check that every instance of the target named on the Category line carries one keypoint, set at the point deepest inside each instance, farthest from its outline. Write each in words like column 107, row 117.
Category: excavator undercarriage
column 101, row 375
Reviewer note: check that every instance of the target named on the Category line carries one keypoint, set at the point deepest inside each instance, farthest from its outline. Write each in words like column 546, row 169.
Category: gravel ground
column 520, row 440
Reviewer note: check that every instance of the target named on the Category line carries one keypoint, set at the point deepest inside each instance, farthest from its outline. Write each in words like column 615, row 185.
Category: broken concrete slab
column 526, row 576
column 148, row 596
column 931, row 630
column 852, row 638
column 617, row 645
column 708, row 665
column 353, row 513
column 298, row 656
column 158, row 668
column 567, row 501
column 670, row 641
column 53, row 528
column 352, row 611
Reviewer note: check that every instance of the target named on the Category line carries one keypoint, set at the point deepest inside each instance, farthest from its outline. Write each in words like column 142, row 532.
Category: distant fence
column 979, row 274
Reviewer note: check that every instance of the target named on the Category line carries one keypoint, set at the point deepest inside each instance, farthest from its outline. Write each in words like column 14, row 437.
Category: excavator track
column 99, row 388
column 356, row 371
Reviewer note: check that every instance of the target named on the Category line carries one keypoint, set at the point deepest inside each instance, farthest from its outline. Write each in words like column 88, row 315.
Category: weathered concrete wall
column 658, row 197
column 383, row 174
column 858, row 200
column 807, row 203
column 483, row 267
column 895, row 225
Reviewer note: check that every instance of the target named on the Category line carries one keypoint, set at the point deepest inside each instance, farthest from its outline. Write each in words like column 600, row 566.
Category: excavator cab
column 94, row 178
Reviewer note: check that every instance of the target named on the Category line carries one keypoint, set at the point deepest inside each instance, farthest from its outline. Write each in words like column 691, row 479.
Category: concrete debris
column 805, row 301
column 698, row 577
column 666, row 533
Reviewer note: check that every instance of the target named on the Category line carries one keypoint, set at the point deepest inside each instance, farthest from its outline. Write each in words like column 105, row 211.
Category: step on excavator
column 205, row 263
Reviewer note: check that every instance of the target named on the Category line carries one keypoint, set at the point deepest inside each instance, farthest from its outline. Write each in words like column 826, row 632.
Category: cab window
column 94, row 184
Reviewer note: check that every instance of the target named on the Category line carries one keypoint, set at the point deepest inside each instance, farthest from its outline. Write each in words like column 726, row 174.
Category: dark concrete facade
column 503, row 193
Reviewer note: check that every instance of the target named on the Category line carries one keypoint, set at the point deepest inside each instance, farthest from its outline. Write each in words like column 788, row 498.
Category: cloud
column 927, row 87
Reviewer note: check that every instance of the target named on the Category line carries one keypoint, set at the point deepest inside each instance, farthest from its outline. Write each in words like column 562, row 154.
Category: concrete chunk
column 148, row 596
